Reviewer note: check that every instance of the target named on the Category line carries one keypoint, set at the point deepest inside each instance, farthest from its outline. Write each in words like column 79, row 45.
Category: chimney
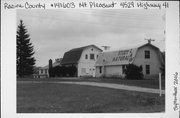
column 50, row 64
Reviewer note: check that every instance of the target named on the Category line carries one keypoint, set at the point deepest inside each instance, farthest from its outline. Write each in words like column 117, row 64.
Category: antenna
column 149, row 40
column 106, row 47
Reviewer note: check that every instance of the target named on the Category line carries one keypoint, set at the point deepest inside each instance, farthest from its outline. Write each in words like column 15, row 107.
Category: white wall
column 87, row 64
column 154, row 61
column 110, row 71
column 44, row 72
column 98, row 74
column 113, row 71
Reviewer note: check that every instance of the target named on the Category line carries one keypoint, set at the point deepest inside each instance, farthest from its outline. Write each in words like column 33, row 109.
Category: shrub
column 133, row 72
column 62, row 71
column 57, row 71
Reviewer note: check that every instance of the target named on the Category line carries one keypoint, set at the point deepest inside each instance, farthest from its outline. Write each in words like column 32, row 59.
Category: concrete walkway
column 106, row 85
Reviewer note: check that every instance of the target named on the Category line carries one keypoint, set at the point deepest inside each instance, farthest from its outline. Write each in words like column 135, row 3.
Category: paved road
column 107, row 85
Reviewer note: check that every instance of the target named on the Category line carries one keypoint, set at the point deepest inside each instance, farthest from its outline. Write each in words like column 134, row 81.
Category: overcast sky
column 53, row 32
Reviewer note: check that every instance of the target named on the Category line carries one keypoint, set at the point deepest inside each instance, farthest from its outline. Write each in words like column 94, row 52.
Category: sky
column 53, row 32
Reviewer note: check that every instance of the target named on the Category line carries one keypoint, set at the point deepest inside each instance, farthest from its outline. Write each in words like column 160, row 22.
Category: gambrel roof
column 123, row 56
column 73, row 56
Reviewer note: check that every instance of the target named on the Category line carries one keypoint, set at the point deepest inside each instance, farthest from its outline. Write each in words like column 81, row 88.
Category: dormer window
column 92, row 49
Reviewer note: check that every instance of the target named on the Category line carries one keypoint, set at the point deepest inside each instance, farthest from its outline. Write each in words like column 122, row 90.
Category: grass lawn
column 147, row 83
column 65, row 98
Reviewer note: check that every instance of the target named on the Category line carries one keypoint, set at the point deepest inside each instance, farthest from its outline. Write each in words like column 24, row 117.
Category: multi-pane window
column 42, row 71
column 147, row 69
column 147, row 54
column 86, row 56
column 92, row 56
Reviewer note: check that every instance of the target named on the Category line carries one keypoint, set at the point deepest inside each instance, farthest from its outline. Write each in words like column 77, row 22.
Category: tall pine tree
column 25, row 59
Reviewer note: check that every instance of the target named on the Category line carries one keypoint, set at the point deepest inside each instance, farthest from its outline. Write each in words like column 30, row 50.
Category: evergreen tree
column 25, row 61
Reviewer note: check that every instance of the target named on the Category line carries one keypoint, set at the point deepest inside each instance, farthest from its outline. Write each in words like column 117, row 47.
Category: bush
column 62, row 71
column 57, row 71
column 133, row 72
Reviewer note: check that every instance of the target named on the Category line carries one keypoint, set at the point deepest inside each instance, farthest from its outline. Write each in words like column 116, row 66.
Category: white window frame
column 93, row 56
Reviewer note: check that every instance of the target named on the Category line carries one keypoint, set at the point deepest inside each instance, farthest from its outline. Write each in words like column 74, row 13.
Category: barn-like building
column 83, row 58
column 113, row 63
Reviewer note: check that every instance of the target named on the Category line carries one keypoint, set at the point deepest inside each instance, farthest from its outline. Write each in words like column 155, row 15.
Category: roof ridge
column 84, row 47
column 73, row 55
column 131, row 47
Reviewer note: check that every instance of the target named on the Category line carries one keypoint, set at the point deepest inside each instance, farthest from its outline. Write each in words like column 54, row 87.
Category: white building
column 112, row 63
column 83, row 59
column 44, row 71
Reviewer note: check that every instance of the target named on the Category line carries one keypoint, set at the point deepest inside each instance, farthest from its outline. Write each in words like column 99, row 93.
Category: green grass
column 64, row 98
column 148, row 83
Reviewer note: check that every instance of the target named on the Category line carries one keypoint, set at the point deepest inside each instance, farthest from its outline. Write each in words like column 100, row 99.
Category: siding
column 113, row 71
column 154, row 61
column 88, row 64
column 110, row 71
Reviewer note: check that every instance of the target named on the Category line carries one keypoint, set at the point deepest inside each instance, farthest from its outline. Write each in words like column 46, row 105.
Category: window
column 83, row 70
column 86, row 56
column 92, row 56
column 46, row 71
column 147, row 54
column 42, row 71
column 104, row 60
column 92, row 49
column 123, row 69
column 100, row 69
column 97, row 57
column 147, row 69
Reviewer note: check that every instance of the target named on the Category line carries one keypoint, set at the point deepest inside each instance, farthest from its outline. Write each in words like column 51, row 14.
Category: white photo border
column 8, row 66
